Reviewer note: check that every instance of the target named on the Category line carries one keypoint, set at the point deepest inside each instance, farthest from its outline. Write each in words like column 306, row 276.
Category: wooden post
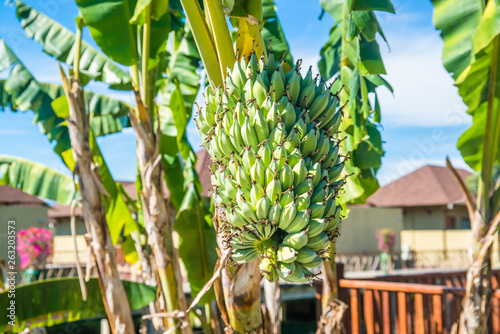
column 437, row 316
column 386, row 313
column 354, row 311
column 419, row 314
column 368, row 311
column 343, row 295
column 402, row 312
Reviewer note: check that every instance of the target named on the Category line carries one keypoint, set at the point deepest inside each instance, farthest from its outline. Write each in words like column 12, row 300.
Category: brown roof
column 201, row 167
column 62, row 211
column 15, row 197
column 131, row 191
column 427, row 186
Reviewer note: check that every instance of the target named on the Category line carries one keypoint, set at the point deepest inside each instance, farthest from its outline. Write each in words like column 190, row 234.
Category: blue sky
column 421, row 122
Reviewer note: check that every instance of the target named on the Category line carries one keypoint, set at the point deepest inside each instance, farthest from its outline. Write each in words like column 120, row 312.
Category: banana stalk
column 273, row 306
column 158, row 221
column 242, row 297
column 238, row 292
column 112, row 290
column 156, row 218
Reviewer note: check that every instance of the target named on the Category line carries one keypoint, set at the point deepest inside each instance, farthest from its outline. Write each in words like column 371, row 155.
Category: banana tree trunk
column 476, row 302
column 113, row 292
column 330, row 291
column 332, row 309
column 241, row 288
column 238, row 292
column 157, row 219
column 273, row 306
column 149, row 277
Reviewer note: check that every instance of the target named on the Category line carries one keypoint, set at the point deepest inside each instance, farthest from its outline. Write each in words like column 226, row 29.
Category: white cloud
column 424, row 94
column 396, row 169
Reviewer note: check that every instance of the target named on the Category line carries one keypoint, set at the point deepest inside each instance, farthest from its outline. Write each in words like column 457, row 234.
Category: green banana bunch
column 277, row 167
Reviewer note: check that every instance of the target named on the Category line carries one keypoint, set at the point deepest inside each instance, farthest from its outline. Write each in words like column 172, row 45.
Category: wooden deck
column 414, row 303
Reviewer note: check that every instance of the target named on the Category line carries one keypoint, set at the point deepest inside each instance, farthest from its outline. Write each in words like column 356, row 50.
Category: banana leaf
column 272, row 31
column 36, row 179
column 471, row 34
column 59, row 42
column 352, row 54
column 21, row 91
column 197, row 242
column 54, row 301
column 112, row 25
column 178, row 92
column 48, row 102
column 383, row 5
column 193, row 221
column 457, row 20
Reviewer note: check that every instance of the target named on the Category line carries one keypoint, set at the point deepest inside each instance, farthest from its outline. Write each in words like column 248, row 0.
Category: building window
column 450, row 223
column 464, row 223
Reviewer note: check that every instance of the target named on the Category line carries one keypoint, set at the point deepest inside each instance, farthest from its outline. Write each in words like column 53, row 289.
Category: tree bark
column 157, row 221
column 238, row 292
column 241, row 290
column 273, row 305
column 113, row 293
column 476, row 302
column 332, row 309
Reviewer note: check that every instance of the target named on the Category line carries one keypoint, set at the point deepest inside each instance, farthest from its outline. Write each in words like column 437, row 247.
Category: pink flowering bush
column 34, row 246
column 386, row 240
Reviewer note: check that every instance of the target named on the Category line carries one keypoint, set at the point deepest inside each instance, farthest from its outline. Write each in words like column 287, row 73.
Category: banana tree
column 351, row 56
column 238, row 290
column 80, row 153
column 40, row 308
column 471, row 35
column 276, row 162
column 139, row 43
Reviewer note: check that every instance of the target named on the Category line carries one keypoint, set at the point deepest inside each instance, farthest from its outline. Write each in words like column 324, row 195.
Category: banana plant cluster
column 273, row 139
column 352, row 54
column 471, row 34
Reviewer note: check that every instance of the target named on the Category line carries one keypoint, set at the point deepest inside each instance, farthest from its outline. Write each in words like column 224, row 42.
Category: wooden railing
column 370, row 261
column 414, row 303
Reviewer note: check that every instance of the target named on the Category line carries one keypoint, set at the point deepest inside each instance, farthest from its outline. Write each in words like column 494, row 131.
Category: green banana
column 244, row 255
column 299, row 172
column 288, row 214
column 305, row 255
column 248, row 134
column 275, row 213
column 256, row 192
column 273, row 189
column 273, row 140
column 317, row 209
column 299, row 223
column 260, row 126
column 319, row 242
column 262, row 207
column 287, row 254
column 286, row 176
column 316, row 262
column 258, row 172
column 265, row 152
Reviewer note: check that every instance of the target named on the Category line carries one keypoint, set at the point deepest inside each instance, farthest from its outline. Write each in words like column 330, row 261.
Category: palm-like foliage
column 41, row 309
column 152, row 39
column 471, row 33
column 352, row 55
